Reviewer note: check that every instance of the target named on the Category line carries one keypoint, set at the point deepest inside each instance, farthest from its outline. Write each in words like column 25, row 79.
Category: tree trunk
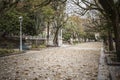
column 55, row 41
column 105, row 41
column 110, row 40
column 116, row 24
column 48, row 31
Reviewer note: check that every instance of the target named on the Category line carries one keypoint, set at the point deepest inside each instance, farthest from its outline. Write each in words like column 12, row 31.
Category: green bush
column 42, row 46
column 38, row 46
column 6, row 51
column 75, row 42
column 34, row 46
column 66, row 36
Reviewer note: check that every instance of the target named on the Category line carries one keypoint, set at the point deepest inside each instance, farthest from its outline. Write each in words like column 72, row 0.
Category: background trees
column 74, row 28
column 41, row 13
column 78, row 29
column 10, row 10
column 37, row 15
column 110, row 9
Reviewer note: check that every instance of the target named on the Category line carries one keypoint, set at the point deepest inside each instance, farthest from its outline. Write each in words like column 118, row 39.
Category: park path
column 77, row 62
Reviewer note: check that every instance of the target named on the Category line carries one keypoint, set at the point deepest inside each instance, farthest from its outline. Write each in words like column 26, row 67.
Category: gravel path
column 78, row 62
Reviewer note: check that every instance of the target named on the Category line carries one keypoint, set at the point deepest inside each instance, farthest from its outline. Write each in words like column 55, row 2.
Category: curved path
column 77, row 62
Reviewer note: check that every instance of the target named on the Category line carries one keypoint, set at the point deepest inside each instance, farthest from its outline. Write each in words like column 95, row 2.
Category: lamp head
column 20, row 18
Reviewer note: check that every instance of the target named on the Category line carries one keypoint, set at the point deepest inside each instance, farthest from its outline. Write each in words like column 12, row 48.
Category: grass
column 42, row 46
column 39, row 46
column 6, row 51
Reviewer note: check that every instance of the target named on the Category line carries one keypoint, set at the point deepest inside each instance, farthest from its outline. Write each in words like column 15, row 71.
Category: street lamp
column 20, row 19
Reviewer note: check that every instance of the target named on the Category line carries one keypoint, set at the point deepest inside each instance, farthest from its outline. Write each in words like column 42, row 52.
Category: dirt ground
column 74, row 62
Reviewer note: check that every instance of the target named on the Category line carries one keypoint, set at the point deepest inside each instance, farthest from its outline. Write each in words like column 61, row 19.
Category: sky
column 71, row 8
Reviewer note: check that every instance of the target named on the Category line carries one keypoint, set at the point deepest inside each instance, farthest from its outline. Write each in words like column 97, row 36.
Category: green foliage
column 48, row 11
column 75, row 42
column 66, row 36
column 6, row 51
column 38, row 46
column 73, row 28
column 34, row 46
column 42, row 46
column 10, row 24
column 90, row 35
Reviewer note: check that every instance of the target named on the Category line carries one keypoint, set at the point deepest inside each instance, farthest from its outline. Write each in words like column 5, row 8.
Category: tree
column 77, row 28
column 9, row 24
column 7, row 4
column 59, row 18
column 29, row 9
column 112, row 9
column 48, row 14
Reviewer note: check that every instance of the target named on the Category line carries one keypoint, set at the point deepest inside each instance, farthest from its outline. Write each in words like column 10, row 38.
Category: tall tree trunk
column 110, row 40
column 48, row 32
column 55, row 41
column 116, row 24
column 36, row 41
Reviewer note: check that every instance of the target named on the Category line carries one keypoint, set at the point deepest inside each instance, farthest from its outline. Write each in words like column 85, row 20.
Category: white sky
column 70, row 8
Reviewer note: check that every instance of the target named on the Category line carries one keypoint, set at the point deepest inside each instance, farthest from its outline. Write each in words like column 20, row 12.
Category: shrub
column 42, row 46
column 6, row 51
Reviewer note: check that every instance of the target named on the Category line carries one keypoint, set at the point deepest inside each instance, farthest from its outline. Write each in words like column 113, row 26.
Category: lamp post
column 20, row 19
